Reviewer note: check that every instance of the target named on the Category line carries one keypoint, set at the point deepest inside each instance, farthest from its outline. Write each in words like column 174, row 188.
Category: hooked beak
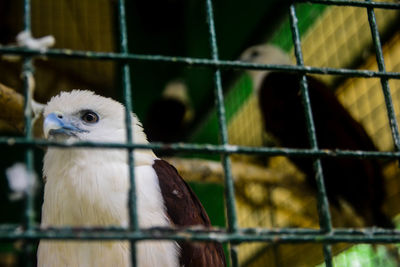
column 56, row 124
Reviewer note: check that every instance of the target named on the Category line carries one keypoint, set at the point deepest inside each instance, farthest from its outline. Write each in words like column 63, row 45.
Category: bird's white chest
column 93, row 191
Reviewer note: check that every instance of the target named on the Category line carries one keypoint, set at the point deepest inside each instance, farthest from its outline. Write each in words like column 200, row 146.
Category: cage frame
column 232, row 234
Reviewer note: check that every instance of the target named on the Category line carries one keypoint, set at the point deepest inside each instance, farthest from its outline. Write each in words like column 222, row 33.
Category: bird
column 359, row 182
column 89, row 188
column 169, row 115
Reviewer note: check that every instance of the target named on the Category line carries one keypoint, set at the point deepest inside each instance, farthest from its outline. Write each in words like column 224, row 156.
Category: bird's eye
column 90, row 117
column 254, row 54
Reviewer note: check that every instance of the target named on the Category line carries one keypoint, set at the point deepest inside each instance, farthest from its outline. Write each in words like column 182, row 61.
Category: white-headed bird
column 360, row 182
column 89, row 187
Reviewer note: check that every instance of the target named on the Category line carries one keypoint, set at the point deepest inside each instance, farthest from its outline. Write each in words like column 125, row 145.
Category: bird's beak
column 56, row 123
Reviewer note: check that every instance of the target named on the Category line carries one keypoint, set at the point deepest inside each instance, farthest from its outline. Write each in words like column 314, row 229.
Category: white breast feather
column 83, row 191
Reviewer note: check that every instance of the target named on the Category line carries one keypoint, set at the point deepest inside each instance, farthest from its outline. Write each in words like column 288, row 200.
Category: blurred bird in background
column 169, row 116
column 89, row 187
column 359, row 182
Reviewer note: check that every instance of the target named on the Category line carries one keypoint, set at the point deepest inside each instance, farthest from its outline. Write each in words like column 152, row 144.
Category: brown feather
column 184, row 209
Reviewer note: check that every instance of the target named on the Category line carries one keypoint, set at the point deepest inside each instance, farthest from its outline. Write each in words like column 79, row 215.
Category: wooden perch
column 267, row 188
column 212, row 171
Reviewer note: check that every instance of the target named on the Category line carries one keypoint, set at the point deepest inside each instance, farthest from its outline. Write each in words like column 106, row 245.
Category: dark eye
column 90, row 117
column 254, row 54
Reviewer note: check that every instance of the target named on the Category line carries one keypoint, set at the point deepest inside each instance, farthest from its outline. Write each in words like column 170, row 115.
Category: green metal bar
column 366, row 231
column 273, row 237
column 384, row 81
column 383, row 5
column 209, row 148
column 195, row 62
column 322, row 199
column 27, row 75
column 27, row 72
column 127, row 92
column 29, row 158
column 223, row 132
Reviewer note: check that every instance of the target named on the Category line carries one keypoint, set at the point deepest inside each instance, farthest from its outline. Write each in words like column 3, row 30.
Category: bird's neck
column 257, row 77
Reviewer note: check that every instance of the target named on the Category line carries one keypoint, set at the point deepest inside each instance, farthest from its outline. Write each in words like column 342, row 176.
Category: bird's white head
column 82, row 115
column 264, row 54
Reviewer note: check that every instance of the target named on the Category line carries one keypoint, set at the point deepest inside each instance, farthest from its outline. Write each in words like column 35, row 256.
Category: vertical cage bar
column 127, row 92
column 219, row 101
column 384, row 81
column 323, row 205
column 27, row 75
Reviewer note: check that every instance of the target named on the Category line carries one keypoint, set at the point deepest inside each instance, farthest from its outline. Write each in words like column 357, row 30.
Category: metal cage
column 232, row 234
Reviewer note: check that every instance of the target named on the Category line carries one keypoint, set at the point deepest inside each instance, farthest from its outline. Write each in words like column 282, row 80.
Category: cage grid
column 233, row 235
column 339, row 36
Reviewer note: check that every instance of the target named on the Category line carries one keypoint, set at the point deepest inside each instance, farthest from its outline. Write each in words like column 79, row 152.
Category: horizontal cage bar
column 202, row 62
column 372, row 235
column 209, row 148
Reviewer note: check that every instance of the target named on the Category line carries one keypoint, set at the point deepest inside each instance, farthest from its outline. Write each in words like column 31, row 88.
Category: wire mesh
column 233, row 235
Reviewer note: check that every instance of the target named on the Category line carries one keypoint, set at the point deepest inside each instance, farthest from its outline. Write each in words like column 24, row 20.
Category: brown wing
column 185, row 209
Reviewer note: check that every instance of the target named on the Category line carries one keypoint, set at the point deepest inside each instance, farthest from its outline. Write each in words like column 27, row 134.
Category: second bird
column 358, row 181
